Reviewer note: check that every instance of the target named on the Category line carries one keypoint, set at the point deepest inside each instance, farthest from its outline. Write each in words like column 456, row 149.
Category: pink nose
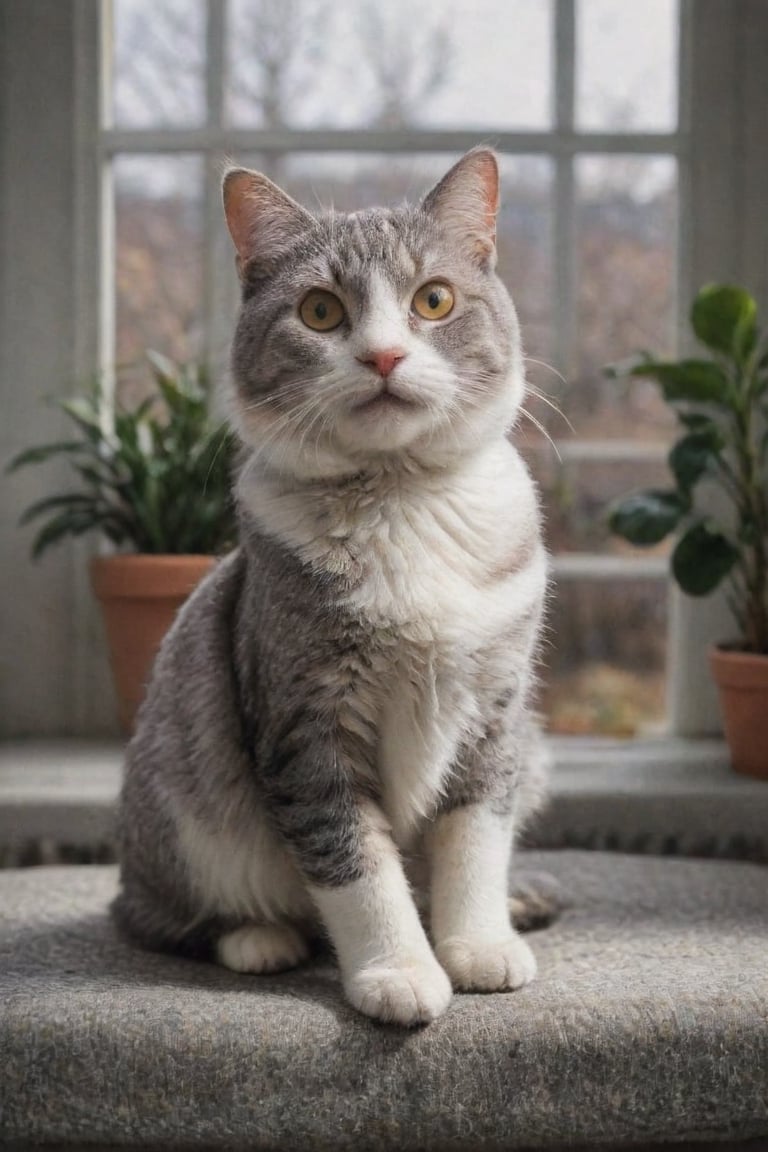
column 383, row 362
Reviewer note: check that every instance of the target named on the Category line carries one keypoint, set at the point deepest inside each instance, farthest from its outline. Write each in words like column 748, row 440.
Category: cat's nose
column 383, row 361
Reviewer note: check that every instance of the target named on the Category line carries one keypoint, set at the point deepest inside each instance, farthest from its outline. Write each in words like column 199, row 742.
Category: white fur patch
column 387, row 966
column 261, row 948
column 474, row 939
column 435, row 560
column 470, row 849
column 385, row 323
column 251, row 876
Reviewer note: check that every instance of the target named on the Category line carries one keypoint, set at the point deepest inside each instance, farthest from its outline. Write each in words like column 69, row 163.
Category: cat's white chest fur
column 430, row 708
column 443, row 566
column 447, row 570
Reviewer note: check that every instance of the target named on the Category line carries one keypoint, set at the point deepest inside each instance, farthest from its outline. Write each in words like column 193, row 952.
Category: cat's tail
column 536, row 900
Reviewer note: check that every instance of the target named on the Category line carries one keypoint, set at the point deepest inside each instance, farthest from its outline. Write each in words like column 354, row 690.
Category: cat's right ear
column 263, row 220
column 466, row 202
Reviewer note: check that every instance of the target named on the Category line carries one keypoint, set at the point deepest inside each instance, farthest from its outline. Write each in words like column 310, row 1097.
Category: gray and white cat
column 340, row 719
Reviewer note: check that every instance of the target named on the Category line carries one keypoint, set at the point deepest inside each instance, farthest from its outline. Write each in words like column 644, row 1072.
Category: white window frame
column 723, row 182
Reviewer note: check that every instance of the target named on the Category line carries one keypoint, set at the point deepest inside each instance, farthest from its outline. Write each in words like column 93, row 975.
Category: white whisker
column 551, row 404
column 537, row 424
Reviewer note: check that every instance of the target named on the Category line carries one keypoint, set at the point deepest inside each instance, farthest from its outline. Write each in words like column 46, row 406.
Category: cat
column 340, row 718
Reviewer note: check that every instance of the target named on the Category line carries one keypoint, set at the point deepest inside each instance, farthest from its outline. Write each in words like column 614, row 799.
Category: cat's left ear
column 263, row 220
column 466, row 202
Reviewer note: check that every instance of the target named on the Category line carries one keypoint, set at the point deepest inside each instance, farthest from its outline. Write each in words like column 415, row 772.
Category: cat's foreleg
column 471, row 847
column 474, row 939
column 356, row 880
column 498, row 781
column 388, row 968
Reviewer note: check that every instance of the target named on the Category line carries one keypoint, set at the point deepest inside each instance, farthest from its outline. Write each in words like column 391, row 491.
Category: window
column 350, row 101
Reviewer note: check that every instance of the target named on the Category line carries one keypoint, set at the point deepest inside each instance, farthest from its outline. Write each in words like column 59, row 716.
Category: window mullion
column 563, row 238
column 282, row 140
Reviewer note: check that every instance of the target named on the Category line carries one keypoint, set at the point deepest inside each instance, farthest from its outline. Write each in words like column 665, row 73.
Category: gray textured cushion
column 649, row 1021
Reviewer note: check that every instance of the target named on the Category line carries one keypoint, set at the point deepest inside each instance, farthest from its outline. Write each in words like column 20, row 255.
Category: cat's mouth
column 385, row 401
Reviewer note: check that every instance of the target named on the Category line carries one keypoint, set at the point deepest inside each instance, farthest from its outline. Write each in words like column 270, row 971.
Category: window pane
column 484, row 64
column 159, row 63
column 524, row 240
column 158, row 208
column 576, row 495
column 626, row 211
column 626, row 65
column 605, row 657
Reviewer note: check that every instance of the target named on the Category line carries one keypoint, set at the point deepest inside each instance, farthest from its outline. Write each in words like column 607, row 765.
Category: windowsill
column 665, row 795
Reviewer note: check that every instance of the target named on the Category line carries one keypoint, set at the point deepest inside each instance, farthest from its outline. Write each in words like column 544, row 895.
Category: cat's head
column 376, row 333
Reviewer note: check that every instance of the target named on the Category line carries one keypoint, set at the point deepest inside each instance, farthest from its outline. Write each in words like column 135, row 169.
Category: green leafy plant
column 154, row 477
column 721, row 401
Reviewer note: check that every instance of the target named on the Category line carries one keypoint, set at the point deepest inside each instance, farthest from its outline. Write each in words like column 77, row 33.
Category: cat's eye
column 321, row 310
column 433, row 301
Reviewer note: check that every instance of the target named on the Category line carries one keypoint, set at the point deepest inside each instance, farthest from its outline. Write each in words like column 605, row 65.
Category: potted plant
column 154, row 479
column 721, row 401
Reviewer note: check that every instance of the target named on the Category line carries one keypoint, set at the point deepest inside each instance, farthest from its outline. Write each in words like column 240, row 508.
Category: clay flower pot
column 140, row 595
column 742, row 681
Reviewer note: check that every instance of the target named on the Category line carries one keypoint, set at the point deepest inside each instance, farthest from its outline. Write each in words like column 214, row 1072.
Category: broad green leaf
column 702, row 558
column 723, row 317
column 745, row 339
column 691, row 457
column 694, row 381
column 696, row 421
column 627, row 367
column 645, row 518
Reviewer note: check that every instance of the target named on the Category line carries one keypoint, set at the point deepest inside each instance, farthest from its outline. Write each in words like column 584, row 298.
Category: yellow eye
column 321, row 310
column 433, row 301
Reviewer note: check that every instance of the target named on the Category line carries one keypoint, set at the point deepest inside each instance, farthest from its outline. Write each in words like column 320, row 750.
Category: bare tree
column 160, row 60
column 280, row 49
column 408, row 60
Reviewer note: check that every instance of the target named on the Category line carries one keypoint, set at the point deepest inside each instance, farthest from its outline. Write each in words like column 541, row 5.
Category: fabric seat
column 649, row 1022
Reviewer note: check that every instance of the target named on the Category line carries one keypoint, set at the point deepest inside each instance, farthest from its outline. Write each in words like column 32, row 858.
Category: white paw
column 406, row 993
column 487, row 965
column 261, row 948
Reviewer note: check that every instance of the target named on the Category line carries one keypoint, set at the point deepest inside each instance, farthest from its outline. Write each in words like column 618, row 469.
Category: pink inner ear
column 239, row 210
column 489, row 175
column 467, row 199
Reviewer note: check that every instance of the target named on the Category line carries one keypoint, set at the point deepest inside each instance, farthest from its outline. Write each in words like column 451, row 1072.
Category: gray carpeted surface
column 649, row 1021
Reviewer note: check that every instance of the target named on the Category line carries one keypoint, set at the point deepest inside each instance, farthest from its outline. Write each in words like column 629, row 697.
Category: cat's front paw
column 262, row 948
column 495, row 965
column 407, row 992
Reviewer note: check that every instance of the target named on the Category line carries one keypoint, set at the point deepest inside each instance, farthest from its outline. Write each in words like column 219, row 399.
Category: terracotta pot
column 140, row 596
column 742, row 681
